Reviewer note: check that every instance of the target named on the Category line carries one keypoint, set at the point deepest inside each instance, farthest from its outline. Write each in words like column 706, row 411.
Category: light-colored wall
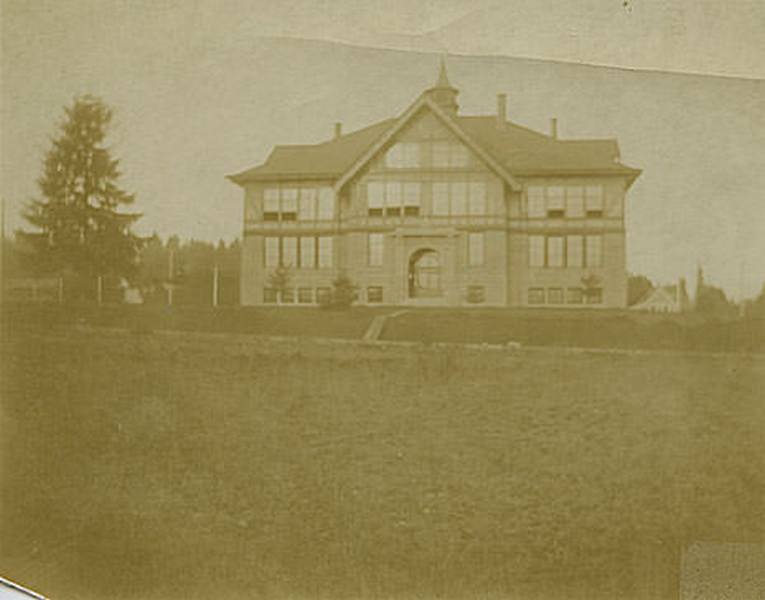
column 505, row 274
column 612, row 274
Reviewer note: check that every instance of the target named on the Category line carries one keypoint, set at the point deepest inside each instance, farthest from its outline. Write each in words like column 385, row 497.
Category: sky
column 203, row 88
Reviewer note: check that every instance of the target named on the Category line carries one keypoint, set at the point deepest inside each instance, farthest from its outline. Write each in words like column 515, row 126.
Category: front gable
column 423, row 121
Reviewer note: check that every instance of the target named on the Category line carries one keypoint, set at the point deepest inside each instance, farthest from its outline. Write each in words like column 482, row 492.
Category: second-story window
column 325, row 210
column 575, row 202
column 535, row 196
column 304, row 204
column 271, row 204
column 572, row 251
column 556, row 203
column 393, row 198
column 411, row 199
column 458, row 198
column 307, row 210
column 593, row 195
column 289, row 204
column 403, row 155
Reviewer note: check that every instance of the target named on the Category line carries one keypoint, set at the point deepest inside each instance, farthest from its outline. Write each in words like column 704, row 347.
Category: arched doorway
column 425, row 274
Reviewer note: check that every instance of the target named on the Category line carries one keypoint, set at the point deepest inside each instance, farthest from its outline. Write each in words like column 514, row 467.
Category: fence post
column 215, row 287
column 100, row 290
column 60, row 290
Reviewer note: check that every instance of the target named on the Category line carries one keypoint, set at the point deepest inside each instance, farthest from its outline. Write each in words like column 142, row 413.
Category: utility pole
column 2, row 250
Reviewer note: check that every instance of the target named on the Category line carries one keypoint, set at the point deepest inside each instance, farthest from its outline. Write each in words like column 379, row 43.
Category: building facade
column 436, row 208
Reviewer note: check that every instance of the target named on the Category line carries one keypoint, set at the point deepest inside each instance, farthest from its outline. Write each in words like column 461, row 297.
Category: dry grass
column 169, row 466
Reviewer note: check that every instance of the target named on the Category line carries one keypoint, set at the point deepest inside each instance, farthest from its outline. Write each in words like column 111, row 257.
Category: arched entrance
column 425, row 274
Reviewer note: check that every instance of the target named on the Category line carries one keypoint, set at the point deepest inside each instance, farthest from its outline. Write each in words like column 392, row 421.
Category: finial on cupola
column 443, row 93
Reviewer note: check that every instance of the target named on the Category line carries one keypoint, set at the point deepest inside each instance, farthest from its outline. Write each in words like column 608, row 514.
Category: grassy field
column 531, row 327
column 179, row 465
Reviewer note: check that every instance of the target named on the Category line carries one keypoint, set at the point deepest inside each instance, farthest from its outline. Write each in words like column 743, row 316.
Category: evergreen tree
column 79, row 229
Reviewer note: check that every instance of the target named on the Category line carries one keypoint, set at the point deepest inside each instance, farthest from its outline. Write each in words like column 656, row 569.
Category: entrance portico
column 426, row 265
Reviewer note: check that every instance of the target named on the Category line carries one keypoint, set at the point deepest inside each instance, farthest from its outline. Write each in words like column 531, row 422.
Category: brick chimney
column 501, row 110
column 554, row 128
column 338, row 130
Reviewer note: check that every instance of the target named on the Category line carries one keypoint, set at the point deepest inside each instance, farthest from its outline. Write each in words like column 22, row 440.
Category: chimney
column 554, row 128
column 338, row 130
column 501, row 110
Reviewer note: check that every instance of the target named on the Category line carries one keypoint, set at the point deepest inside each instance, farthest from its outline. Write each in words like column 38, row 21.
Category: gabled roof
column 509, row 150
column 451, row 123
column 327, row 160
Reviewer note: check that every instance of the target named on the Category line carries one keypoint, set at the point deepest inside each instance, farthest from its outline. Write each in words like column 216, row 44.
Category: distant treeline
column 171, row 270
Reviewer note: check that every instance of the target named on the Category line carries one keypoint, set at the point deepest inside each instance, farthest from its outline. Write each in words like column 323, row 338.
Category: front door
column 425, row 274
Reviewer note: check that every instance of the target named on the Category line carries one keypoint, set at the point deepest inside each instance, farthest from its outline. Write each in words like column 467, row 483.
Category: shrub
column 342, row 295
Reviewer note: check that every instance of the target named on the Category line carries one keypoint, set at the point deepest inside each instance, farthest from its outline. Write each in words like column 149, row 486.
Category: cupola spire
column 443, row 93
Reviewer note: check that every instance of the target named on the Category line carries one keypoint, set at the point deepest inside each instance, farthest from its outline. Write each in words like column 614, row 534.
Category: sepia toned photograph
column 415, row 300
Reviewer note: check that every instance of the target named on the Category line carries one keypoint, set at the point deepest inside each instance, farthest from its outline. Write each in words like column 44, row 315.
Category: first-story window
column 375, row 248
column 272, row 251
column 555, row 252
column 536, row 251
column 536, row 295
column 475, row 249
column 325, row 252
column 374, row 294
column 305, row 295
column 307, row 252
column 594, row 251
column 574, row 251
column 289, row 252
